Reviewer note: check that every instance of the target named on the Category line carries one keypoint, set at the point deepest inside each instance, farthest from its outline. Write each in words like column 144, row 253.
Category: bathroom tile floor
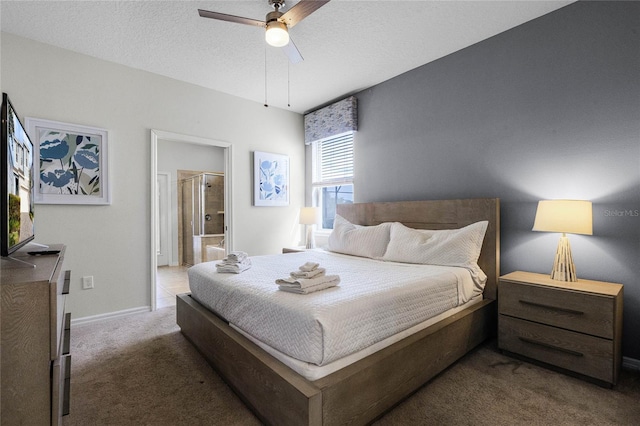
column 170, row 280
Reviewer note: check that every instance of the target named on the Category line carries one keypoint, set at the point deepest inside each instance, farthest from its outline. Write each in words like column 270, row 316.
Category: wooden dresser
column 576, row 326
column 35, row 360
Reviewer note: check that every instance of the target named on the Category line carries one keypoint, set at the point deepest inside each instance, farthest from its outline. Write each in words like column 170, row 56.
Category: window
column 332, row 169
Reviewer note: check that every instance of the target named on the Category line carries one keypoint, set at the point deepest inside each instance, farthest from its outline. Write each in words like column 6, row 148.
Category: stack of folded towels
column 308, row 278
column 235, row 262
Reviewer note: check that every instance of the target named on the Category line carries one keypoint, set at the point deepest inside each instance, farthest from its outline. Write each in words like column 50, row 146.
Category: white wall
column 174, row 156
column 112, row 242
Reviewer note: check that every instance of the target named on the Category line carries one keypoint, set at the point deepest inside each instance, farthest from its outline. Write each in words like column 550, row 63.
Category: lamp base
column 563, row 267
column 310, row 239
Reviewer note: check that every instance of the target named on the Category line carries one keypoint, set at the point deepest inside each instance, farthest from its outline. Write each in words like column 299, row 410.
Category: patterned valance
column 332, row 120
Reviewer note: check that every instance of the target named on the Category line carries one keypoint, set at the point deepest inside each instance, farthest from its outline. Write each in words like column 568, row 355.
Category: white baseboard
column 111, row 315
column 630, row 363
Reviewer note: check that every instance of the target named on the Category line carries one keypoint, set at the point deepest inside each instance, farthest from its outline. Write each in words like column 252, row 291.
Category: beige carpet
column 140, row 370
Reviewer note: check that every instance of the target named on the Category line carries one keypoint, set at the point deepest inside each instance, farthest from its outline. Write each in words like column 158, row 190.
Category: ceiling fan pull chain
column 288, row 84
column 265, row 76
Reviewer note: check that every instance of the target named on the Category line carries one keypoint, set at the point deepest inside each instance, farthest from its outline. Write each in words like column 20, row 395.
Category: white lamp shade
column 277, row 34
column 309, row 215
column 566, row 216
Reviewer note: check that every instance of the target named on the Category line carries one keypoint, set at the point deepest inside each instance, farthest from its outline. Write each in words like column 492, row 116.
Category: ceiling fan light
column 277, row 34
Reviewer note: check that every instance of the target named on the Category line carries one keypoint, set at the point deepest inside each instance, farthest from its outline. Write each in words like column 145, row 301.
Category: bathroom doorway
column 168, row 280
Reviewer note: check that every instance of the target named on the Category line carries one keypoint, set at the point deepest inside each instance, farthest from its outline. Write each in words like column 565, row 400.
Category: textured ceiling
column 347, row 45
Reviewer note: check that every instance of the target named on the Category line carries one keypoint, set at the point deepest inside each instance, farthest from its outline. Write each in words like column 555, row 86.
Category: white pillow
column 448, row 247
column 357, row 240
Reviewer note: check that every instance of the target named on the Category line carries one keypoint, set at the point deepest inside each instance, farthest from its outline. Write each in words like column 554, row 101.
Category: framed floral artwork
column 71, row 163
column 271, row 179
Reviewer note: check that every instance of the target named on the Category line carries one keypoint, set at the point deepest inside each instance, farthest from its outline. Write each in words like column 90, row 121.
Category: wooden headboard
column 439, row 214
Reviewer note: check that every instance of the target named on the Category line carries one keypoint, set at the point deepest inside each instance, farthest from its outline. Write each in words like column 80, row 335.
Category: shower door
column 187, row 206
column 202, row 213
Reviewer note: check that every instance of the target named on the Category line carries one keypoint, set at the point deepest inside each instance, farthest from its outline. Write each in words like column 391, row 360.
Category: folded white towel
column 233, row 262
column 236, row 256
column 309, row 285
column 310, row 274
column 307, row 282
column 309, row 266
column 234, row 267
column 226, row 261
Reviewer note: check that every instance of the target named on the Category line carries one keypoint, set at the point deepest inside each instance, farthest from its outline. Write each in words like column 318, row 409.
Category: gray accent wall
column 549, row 109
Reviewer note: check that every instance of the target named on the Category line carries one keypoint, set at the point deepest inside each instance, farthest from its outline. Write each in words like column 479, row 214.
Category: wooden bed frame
column 365, row 390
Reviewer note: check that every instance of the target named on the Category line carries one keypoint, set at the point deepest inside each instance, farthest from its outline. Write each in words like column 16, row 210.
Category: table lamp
column 308, row 218
column 567, row 217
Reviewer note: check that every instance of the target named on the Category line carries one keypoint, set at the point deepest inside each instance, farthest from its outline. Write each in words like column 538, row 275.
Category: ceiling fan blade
column 230, row 18
column 292, row 52
column 301, row 10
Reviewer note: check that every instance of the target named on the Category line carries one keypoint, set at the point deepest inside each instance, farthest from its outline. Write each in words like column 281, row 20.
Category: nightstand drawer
column 580, row 311
column 588, row 355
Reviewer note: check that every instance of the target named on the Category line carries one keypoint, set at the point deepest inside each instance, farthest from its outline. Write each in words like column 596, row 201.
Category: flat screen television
column 16, row 182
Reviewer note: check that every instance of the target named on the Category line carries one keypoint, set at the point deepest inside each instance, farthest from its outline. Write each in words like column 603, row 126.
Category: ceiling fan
column 276, row 23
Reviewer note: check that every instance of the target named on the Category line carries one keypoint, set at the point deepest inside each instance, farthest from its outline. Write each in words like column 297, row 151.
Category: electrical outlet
column 87, row 282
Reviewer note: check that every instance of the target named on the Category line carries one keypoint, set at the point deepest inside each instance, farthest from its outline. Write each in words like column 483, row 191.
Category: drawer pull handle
column 546, row 345
column 66, row 343
column 66, row 394
column 67, row 282
column 541, row 305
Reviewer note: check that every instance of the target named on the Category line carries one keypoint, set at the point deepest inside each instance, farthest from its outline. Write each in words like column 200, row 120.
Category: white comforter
column 374, row 300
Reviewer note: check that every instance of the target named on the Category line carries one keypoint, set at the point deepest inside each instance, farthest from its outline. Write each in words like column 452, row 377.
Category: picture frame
column 71, row 164
column 271, row 179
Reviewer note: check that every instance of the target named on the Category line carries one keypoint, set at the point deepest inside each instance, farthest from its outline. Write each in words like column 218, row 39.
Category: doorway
column 159, row 138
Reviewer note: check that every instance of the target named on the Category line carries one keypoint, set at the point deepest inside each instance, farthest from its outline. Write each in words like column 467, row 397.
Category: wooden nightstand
column 293, row 249
column 576, row 326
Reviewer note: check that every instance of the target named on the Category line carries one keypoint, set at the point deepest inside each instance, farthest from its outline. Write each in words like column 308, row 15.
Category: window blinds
column 334, row 160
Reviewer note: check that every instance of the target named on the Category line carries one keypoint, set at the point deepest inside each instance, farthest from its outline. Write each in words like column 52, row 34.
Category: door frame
column 157, row 135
